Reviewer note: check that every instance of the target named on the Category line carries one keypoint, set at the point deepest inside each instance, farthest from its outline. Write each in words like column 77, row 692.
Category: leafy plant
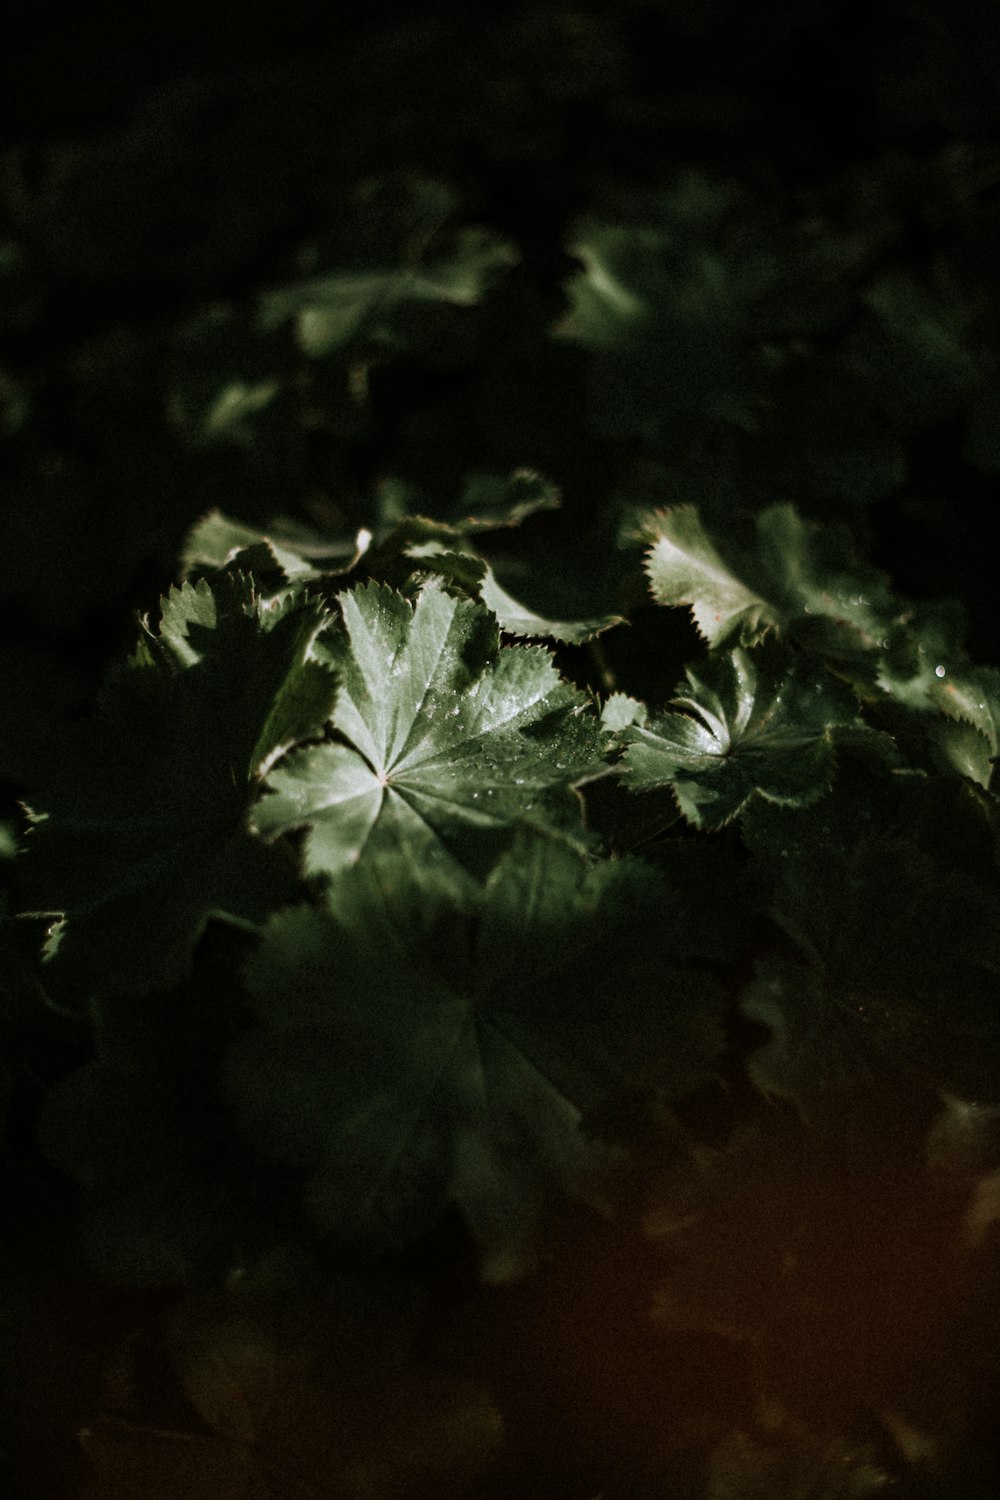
column 499, row 965
column 461, row 990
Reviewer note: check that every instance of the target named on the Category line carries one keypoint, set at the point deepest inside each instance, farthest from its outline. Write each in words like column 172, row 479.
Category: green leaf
column 754, row 724
column 701, row 313
column 921, row 663
column 622, row 712
column 664, row 311
column 217, row 539
column 787, row 573
column 491, row 502
column 344, row 308
column 446, row 739
column 973, row 698
column 904, row 897
column 413, row 1052
column 685, row 568
column 835, row 1038
column 955, row 706
column 486, row 502
column 227, row 416
column 892, row 902
column 477, row 577
column 949, row 710
column 143, row 832
column 959, row 746
column 517, row 619
column 917, row 350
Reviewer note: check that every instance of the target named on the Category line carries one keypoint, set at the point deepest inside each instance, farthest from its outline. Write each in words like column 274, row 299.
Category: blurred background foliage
column 656, row 253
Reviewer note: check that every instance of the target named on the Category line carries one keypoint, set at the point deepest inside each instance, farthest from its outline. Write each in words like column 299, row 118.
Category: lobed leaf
column 142, row 834
column 413, row 1052
column 447, row 739
column 787, row 575
column 753, row 724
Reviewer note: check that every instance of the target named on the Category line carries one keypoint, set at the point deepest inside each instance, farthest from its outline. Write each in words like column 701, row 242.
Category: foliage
column 499, row 964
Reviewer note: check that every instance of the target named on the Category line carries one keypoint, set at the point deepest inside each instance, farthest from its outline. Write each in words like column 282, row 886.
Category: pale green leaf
column 684, row 567
column 955, row 706
column 785, row 574
column 622, row 712
column 446, row 739
column 753, row 724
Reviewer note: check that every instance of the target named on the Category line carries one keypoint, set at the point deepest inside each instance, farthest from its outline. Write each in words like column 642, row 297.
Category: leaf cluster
column 503, row 965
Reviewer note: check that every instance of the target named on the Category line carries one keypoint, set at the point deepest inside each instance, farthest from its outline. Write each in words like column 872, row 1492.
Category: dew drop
column 939, row 671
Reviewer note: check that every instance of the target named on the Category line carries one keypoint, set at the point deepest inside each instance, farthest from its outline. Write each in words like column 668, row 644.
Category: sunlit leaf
column 786, row 574
column 446, row 740
column 753, row 724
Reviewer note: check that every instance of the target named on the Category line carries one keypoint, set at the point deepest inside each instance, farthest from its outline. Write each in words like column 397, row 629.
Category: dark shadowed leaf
column 142, row 834
column 412, row 1053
